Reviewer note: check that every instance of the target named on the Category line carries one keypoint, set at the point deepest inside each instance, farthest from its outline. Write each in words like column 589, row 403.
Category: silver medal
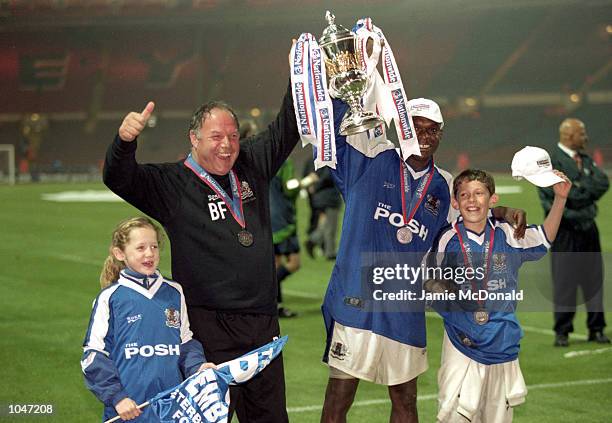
column 481, row 316
column 404, row 235
column 245, row 238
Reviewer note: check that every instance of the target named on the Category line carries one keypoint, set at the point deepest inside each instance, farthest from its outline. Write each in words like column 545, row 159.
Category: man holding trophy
column 396, row 203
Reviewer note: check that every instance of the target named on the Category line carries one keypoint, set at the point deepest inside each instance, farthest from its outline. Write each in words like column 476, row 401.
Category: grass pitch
column 50, row 258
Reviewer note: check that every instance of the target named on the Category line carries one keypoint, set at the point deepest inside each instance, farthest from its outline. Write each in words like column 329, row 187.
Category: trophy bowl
column 348, row 79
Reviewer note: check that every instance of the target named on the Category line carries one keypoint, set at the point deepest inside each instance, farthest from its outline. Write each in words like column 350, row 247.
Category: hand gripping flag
column 204, row 397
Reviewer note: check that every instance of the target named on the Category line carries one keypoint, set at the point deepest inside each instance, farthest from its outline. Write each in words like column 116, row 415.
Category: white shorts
column 362, row 354
column 476, row 392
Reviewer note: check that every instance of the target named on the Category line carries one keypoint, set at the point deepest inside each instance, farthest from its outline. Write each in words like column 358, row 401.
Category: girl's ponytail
column 110, row 271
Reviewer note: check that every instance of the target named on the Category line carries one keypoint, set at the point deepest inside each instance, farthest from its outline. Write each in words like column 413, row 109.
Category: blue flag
column 204, row 397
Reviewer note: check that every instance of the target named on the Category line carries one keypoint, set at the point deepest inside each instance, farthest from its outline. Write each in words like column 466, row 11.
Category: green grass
column 50, row 258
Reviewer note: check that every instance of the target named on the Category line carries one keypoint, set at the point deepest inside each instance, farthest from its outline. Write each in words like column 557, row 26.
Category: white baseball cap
column 533, row 164
column 426, row 108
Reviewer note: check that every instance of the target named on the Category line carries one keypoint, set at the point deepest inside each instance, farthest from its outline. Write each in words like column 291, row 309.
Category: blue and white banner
column 204, row 397
column 301, row 89
column 312, row 101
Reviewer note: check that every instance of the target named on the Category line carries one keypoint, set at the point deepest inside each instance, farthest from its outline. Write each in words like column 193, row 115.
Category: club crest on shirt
column 499, row 262
column 432, row 204
column 173, row 318
column 338, row 351
column 246, row 190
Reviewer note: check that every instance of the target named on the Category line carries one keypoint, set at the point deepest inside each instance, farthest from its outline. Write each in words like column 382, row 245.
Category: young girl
column 138, row 342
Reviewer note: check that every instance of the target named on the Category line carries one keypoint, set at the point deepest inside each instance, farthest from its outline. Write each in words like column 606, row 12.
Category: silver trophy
column 348, row 79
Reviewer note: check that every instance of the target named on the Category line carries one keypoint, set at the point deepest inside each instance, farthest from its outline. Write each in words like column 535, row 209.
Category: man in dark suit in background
column 576, row 259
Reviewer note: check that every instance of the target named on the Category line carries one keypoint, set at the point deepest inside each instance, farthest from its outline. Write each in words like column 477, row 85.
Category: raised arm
column 146, row 187
column 269, row 149
column 553, row 219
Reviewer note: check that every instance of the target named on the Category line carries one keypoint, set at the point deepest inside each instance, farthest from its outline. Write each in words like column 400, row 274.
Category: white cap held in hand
column 533, row 164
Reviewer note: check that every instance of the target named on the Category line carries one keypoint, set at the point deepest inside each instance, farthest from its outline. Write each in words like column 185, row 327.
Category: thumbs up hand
column 134, row 123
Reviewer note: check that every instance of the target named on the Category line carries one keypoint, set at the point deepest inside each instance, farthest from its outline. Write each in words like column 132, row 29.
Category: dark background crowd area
column 505, row 73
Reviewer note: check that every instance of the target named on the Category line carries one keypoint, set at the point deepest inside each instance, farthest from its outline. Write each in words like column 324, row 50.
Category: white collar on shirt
column 415, row 174
column 149, row 293
column 478, row 238
column 567, row 150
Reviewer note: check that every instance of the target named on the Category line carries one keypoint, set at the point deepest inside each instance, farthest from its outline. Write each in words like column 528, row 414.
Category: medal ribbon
column 467, row 250
column 312, row 103
column 394, row 100
column 407, row 190
column 234, row 204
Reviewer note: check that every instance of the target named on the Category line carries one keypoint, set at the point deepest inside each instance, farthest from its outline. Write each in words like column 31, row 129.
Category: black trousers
column 576, row 262
column 226, row 336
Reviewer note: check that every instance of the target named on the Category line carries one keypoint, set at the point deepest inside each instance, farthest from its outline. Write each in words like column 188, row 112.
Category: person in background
column 325, row 204
column 283, row 218
column 576, row 259
column 284, row 228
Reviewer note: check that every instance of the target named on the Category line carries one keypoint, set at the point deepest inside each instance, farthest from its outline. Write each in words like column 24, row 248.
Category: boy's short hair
column 470, row 175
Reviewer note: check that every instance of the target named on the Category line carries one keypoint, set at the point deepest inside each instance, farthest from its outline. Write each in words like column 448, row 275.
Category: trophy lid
column 333, row 33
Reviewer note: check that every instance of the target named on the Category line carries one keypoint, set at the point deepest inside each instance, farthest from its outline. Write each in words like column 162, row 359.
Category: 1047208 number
column 30, row 409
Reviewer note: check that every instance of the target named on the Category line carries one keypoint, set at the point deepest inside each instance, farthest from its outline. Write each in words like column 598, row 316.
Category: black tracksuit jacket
column 216, row 272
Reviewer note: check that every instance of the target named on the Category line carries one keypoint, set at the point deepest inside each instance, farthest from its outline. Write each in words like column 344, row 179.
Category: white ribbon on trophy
column 374, row 141
column 312, row 103
column 386, row 97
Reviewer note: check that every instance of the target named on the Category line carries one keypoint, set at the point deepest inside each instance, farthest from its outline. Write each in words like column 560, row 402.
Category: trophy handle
column 333, row 92
column 371, row 60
